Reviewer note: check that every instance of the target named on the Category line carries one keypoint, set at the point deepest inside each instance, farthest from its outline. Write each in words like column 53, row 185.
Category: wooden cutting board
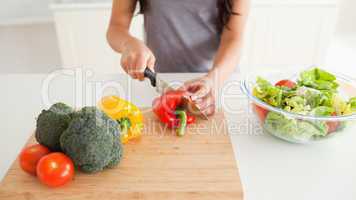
column 200, row 165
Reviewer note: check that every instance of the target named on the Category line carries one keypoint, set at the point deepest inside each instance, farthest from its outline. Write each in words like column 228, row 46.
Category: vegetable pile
column 315, row 93
column 168, row 109
column 87, row 139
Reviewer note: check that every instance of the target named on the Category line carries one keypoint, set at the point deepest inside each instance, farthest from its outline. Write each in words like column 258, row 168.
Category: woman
column 182, row 36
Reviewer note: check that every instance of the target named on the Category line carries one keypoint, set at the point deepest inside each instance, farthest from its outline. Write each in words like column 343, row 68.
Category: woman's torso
column 182, row 34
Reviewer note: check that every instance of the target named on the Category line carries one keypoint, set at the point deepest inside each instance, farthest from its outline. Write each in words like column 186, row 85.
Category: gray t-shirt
column 182, row 34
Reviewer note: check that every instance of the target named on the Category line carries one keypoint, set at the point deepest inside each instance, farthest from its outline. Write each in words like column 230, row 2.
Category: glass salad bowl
column 293, row 119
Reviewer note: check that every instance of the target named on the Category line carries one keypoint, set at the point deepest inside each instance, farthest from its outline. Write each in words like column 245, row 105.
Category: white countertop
column 269, row 168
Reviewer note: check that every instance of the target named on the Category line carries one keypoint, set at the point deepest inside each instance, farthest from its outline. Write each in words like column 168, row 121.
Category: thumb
column 191, row 86
column 200, row 93
column 151, row 62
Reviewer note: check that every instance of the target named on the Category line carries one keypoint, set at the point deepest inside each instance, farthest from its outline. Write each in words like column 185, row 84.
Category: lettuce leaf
column 324, row 75
column 267, row 92
column 352, row 103
column 318, row 79
column 296, row 104
column 350, row 107
column 322, row 111
column 292, row 129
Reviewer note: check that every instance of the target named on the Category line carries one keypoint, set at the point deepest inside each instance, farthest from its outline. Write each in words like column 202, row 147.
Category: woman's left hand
column 202, row 93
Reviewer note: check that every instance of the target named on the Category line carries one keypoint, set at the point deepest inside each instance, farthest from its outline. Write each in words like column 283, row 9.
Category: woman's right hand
column 136, row 56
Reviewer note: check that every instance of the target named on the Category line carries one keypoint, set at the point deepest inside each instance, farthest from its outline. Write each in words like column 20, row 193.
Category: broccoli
column 92, row 140
column 51, row 123
column 62, row 109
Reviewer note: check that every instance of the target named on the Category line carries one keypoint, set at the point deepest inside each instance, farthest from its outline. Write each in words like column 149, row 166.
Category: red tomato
column 261, row 112
column 30, row 156
column 55, row 169
column 286, row 83
column 332, row 125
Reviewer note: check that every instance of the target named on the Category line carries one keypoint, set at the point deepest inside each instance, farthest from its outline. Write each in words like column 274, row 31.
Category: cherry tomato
column 55, row 169
column 332, row 125
column 261, row 112
column 30, row 156
column 286, row 83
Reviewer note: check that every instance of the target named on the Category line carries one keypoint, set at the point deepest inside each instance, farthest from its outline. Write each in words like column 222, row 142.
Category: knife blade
column 162, row 86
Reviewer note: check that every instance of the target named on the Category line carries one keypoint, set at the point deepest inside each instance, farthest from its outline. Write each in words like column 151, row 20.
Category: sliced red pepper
column 166, row 108
column 190, row 119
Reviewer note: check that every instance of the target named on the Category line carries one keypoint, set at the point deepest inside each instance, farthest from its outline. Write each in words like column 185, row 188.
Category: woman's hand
column 202, row 93
column 136, row 56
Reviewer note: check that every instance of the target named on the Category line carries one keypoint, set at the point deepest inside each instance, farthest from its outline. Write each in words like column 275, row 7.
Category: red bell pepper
column 168, row 109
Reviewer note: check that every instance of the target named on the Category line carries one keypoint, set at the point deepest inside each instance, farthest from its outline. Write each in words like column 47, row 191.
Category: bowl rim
column 244, row 87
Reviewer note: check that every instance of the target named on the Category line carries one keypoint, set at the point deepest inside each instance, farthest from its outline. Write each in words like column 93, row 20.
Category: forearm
column 229, row 52
column 118, row 34
column 226, row 58
column 118, row 37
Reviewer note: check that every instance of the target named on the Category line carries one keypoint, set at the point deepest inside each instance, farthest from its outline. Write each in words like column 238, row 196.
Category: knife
column 162, row 86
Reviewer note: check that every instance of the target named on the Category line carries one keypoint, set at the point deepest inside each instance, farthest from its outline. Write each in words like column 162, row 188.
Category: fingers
column 135, row 64
column 151, row 62
column 195, row 86
column 205, row 101
column 202, row 92
column 206, row 104
column 198, row 89
column 209, row 110
column 139, row 67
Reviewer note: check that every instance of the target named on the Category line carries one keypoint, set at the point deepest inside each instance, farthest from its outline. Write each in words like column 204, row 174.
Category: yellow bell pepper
column 126, row 114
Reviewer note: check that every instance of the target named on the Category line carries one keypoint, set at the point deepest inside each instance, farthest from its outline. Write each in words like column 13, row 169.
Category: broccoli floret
column 92, row 140
column 61, row 108
column 116, row 154
column 51, row 123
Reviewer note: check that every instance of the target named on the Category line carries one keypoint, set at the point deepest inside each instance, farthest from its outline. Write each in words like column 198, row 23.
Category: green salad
column 314, row 93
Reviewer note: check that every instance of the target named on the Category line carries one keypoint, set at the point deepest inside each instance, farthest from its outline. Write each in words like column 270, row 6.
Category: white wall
column 347, row 18
column 23, row 10
column 81, row 30
column 277, row 34
column 27, row 37
column 28, row 48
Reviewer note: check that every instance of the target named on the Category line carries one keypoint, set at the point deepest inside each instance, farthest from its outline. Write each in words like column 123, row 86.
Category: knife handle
column 148, row 73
